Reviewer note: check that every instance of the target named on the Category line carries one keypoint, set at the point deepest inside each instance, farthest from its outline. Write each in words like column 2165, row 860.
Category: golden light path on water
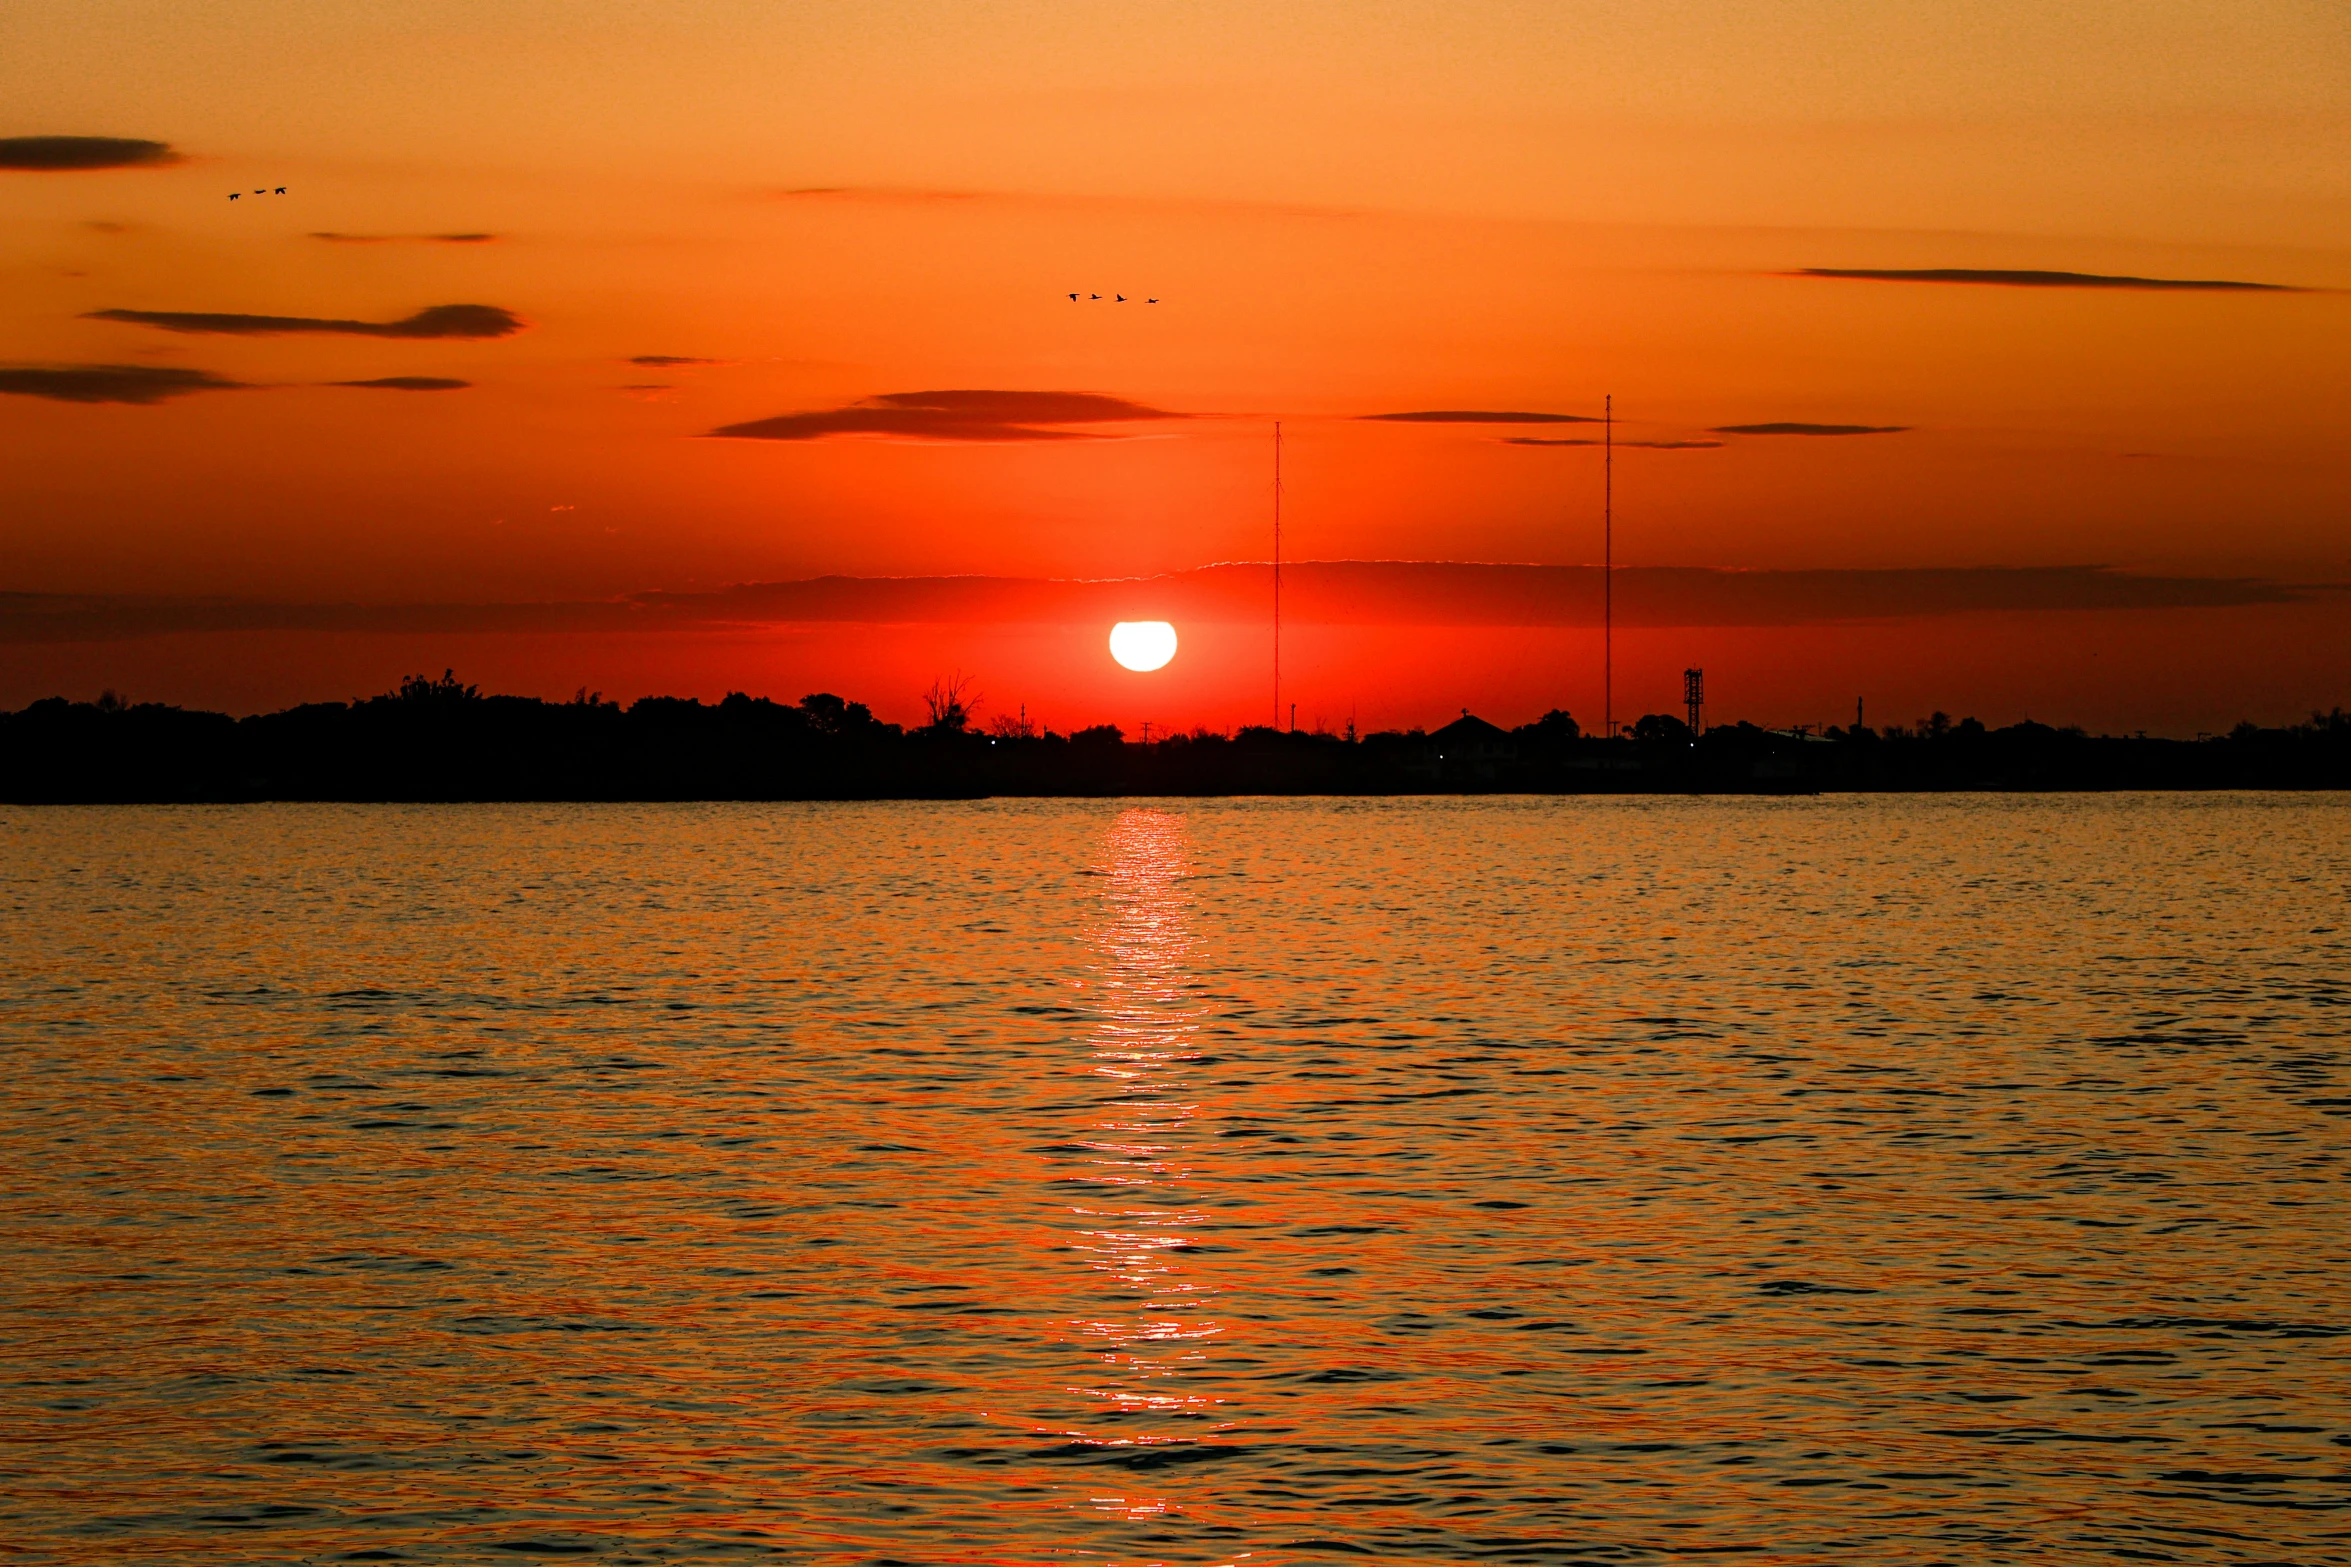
column 1145, row 1054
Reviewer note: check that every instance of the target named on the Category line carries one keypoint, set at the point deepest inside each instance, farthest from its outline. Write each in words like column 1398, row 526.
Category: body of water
column 1873, row 1180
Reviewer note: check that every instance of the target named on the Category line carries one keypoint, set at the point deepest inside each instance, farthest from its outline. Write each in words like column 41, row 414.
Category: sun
column 1143, row 645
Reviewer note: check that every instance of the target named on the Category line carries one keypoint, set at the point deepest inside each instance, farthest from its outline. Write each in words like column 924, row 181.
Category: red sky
column 1344, row 210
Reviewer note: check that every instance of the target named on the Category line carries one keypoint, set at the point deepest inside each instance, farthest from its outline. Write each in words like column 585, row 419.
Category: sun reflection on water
column 1154, row 1313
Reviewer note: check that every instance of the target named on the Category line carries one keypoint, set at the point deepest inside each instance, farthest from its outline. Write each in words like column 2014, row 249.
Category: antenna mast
column 1608, row 565
column 1277, row 574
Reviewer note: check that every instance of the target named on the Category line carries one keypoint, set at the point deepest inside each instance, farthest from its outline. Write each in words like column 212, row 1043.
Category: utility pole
column 1277, row 574
column 1608, row 565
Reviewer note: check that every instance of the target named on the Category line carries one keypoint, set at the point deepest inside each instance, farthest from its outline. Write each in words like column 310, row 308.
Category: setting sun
column 1142, row 645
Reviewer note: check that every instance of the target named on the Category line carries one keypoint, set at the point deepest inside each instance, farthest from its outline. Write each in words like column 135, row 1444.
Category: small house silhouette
column 1470, row 746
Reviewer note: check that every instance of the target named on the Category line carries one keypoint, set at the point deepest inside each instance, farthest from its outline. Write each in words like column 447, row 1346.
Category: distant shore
column 440, row 740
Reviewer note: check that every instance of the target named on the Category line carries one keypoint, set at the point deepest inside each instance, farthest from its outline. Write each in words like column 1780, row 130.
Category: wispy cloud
column 1478, row 416
column 1400, row 593
column 64, row 154
column 1585, row 440
column 2011, row 277
column 955, row 416
column 438, row 321
column 909, row 195
column 667, row 361
column 409, row 383
column 1797, row 427
column 880, row 193
column 334, row 238
column 110, row 383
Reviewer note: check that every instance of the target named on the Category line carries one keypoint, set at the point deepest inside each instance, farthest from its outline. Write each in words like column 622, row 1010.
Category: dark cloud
column 1795, row 427
column 333, row 238
column 1479, row 416
column 664, row 361
column 438, row 321
column 1340, row 592
column 1463, row 593
column 110, row 383
column 58, row 154
column 2005, row 277
column 1585, row 440
column 954, row 416
column 409, row 383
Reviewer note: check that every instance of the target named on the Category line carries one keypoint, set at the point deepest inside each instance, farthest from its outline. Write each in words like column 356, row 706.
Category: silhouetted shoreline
column 440, row 740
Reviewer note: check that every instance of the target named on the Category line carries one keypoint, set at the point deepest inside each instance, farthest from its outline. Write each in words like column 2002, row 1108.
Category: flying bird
column 1073, row 298
column 232, row 195
column 1150, row 301
column 281, row 190
column 1122, row 299
column 1093, row 296
column 260, row 190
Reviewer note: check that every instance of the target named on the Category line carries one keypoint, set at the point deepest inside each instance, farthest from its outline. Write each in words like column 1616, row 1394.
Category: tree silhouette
column 952, row 704
column 419, row 688
column 1661, row 728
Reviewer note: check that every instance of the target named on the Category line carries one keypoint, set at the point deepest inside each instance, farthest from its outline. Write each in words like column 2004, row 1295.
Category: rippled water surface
column 1856, row 1180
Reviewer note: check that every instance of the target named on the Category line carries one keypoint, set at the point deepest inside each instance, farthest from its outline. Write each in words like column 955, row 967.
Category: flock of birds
column 258, row 190
column 1116, row 299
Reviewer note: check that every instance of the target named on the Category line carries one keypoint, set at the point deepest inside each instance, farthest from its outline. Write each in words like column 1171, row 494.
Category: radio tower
column 1608, row 566
column 1694, row 698
column 1277, row 574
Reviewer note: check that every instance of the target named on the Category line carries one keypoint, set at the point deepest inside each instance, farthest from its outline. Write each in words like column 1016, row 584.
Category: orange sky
column 1344, row 209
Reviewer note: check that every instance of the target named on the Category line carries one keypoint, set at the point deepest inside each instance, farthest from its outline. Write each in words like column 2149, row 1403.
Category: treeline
column 444, row 740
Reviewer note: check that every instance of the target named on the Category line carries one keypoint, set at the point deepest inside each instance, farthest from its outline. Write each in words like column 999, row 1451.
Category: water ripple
column 1902, row 1181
